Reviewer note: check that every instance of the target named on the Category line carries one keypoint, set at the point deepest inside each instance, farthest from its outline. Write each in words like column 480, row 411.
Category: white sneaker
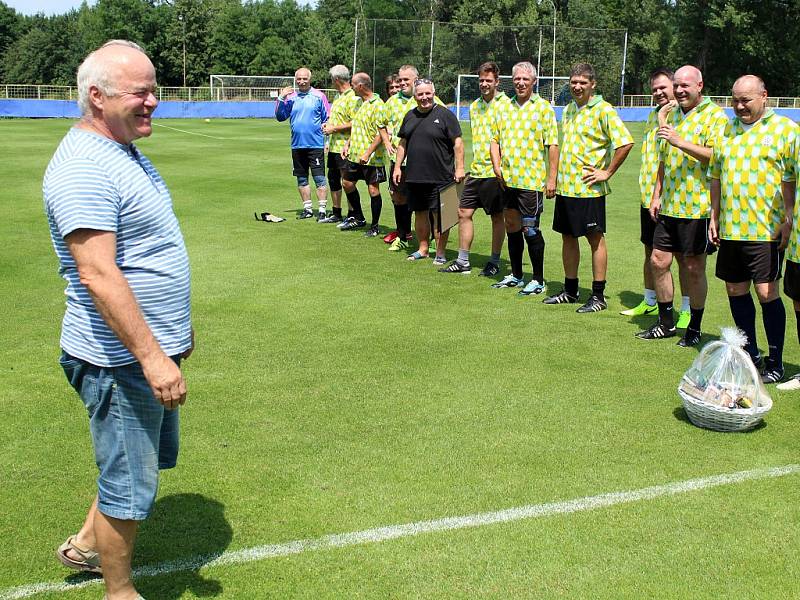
column 790, row 385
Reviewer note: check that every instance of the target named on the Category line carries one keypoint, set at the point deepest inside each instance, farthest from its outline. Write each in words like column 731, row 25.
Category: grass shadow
column 188, row 529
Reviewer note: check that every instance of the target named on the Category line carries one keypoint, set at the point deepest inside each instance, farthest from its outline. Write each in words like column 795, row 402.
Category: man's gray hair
column 339, row 73
column 96, row 72
column 411, row 68
column 524, row 66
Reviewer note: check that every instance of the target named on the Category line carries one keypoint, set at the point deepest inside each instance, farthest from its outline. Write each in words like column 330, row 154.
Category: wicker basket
column 719, row 418
column 711, row 387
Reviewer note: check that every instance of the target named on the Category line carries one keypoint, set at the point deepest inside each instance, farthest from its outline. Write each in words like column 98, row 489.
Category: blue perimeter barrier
column 250, row 110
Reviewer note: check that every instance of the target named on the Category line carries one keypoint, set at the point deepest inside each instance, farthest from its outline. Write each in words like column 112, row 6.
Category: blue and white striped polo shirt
column 93, row 182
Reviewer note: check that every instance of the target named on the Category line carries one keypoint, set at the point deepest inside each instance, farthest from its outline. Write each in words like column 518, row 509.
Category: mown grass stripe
column 380, row 534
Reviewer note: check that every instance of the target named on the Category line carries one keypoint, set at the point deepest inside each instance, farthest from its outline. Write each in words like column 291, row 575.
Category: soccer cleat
column 331, row 218
column 561, row 298
column 656, row 332
column 390, row 237
column 306, row 214
column 773, row 372
column 593, row 304
column 372, row 232
column 321, row 216
column 457, row 267
column 683, row 319
column 691, row 338
column 353, row 223
column 643, row 308
column 490, row 270
column 509, row 281
column 439, row 260
column 791, row 384
column 534, row 287
column 345, row 221
column 398, row 245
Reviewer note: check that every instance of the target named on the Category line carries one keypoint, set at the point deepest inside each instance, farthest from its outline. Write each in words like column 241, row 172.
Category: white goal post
column 467, row 90
column 248, row 87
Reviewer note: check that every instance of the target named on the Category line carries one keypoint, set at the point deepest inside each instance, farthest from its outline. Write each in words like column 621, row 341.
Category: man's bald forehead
column 689, row 72
column 749, row 83
column 302, row 71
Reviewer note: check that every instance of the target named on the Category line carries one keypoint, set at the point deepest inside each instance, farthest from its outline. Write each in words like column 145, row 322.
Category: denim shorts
column 132, row 433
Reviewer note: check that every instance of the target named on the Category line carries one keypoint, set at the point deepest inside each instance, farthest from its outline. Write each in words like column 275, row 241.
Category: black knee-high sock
column 375, row 204
column 665, row 316
column 696, row 319
column 797, row 323
column 774, row 316
column 400, row 214
column 599, row 289
column 536, row 254
column 407, row 218
column 354, row 199
column 516, row 245
column 743, row 311
column 571, row 286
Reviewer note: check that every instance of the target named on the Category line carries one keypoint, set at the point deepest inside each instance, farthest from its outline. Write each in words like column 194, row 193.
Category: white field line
column 391, row 532
column 189, row 132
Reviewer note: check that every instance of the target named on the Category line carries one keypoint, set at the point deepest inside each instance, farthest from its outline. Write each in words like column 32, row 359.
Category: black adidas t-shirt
column 429, row 145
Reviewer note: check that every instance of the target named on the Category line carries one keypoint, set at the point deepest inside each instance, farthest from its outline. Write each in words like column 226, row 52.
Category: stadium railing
column 186, row 94
column 642, row 100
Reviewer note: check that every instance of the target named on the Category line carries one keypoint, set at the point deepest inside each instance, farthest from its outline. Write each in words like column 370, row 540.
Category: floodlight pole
column 553, row 81
column 624, row 60
column 430, row 56
column 355, row 46
column 539, row 61
column 183, row 27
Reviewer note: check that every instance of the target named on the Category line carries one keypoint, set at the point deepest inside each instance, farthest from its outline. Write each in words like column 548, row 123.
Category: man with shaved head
column 365, row 155
column 752, row 200
column 127, row 323
column 681, row 202
column 307, row 110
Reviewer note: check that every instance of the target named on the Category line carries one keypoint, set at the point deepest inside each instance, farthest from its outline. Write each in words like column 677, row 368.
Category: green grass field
column 338, row 388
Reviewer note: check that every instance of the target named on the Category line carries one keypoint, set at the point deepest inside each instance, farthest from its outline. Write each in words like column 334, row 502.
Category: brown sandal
column 89, row 559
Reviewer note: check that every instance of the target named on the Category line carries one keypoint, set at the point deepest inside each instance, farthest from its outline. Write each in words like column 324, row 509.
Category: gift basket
column 722, row 390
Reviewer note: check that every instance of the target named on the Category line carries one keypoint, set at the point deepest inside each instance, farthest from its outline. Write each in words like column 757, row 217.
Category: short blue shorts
column 133, row 435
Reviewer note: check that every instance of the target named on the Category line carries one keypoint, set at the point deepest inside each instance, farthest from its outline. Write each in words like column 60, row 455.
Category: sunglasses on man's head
column 423, row 82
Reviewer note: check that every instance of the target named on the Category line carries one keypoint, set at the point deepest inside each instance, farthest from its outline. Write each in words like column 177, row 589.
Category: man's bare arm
column 95, row 255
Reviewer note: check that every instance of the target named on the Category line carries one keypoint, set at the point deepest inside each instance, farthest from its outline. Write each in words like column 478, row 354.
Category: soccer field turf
column 337, row 388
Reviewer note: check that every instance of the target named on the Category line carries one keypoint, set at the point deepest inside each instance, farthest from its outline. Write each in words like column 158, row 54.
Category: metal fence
column 629, row 101
column 186, row 94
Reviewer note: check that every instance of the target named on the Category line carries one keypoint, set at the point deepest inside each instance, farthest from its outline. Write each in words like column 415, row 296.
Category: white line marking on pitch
column 189, row 132
column 391, row 532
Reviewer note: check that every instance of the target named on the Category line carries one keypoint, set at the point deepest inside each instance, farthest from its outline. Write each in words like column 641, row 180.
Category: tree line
column 724, row 38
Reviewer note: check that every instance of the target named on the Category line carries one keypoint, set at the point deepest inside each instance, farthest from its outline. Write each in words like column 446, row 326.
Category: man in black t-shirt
column 431, row 144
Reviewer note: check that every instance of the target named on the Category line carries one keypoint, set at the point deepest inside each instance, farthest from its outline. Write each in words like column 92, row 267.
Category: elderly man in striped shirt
column 127, row 323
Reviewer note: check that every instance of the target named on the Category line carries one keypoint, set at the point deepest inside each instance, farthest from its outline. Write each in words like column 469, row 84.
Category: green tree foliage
column 725, row 38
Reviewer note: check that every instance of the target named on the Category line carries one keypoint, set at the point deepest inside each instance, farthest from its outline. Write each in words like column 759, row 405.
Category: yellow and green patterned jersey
column 396, row 108
column 589, row 137
column 480, row 122
column 342, row 110
column 524, row 133
column 369, row 118
column 685, row 193
column 793, row 250
column 648, row 171
column 750, row 166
